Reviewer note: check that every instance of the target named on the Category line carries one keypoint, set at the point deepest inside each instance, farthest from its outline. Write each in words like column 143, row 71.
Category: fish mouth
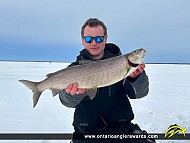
column 143, row 52
column 132, row 64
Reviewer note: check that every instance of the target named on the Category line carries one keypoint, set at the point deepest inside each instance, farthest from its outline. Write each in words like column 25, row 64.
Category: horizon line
column 185, row 63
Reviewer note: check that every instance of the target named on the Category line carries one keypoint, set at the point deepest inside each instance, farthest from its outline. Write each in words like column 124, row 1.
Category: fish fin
column 130, row 71
column 54, row 91
column 91, row 92
column 82, row 62
column 32, row 85
column 55, row 73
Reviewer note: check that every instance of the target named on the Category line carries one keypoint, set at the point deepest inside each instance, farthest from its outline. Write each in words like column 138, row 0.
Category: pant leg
column 136, row 130
column 93, row 141
column 128, row 128
column 120, row 128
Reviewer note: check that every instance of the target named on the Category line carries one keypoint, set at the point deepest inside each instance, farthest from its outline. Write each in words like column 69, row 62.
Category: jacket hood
column 110, row 51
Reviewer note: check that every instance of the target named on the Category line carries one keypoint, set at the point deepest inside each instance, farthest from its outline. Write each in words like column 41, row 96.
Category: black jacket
column 111, row 104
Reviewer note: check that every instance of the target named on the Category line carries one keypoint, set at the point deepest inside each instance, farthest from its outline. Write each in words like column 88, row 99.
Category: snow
column 167, row 102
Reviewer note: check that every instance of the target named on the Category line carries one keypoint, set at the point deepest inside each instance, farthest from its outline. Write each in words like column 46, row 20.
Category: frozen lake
column 168, row 101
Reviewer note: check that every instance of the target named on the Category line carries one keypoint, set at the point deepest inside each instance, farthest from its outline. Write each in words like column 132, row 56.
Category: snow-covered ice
column 167, row 102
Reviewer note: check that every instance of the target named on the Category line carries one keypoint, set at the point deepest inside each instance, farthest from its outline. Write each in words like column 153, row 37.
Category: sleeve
column 137, row 87
column 69, row 100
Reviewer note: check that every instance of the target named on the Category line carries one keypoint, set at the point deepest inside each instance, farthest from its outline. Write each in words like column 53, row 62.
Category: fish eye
column 136, row 51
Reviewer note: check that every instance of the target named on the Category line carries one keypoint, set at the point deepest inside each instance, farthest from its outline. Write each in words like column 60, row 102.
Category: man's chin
column 94, row 53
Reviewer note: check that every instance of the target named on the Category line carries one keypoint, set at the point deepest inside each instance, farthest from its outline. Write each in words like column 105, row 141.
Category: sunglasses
column 98, row 39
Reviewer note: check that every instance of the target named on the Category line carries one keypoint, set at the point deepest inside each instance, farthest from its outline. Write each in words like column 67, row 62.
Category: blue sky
column 49, row 30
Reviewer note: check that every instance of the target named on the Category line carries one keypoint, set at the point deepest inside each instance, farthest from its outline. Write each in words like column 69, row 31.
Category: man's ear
column 106, row 38
column 82, row 41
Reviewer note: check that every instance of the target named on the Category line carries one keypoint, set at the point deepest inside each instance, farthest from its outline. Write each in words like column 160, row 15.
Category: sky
column 49, row 30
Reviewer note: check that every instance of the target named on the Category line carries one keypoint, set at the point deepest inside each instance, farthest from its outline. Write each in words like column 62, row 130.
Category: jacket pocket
column 85, row 118
column 124, row 114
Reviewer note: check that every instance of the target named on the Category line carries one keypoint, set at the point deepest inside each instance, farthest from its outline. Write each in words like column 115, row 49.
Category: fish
column 89, row 75
column 174, row 129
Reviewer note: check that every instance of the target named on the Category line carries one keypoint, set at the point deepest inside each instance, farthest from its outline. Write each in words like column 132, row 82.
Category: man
column 109, row 112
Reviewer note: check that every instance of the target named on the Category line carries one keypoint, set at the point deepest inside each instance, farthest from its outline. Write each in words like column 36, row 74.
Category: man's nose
column 94, row 42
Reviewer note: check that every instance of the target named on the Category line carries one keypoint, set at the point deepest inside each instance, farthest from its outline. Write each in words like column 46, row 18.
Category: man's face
column 94, row 48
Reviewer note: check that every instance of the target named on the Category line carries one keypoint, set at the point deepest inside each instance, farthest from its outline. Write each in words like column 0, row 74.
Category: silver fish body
column 91, row 75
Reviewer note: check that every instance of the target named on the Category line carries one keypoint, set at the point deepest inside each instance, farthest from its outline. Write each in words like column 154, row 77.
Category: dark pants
column 114, row 129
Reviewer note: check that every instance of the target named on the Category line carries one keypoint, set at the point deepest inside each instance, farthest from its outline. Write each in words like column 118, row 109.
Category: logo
column 174, row 129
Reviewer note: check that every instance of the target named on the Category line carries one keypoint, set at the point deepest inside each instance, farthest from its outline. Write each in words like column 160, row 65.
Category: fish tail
column 32, row 85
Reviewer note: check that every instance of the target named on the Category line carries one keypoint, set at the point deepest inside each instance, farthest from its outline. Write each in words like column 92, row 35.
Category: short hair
column 93, row 22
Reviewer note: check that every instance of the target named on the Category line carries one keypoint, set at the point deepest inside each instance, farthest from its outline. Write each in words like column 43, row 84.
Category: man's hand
column 73, row 89
column 138, row 71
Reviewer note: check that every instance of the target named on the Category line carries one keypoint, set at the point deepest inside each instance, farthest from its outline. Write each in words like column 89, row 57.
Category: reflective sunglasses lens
column 99, row 39
column 88, row 39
